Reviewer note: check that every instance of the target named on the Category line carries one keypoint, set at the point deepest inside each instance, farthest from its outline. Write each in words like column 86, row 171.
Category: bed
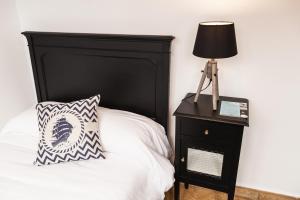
column 132, row 75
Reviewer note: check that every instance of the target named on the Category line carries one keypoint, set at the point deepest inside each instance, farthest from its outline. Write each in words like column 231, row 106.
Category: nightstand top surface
column 203, row 109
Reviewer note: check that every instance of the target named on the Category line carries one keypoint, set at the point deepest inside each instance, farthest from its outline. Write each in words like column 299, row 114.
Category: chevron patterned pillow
column 68, row 131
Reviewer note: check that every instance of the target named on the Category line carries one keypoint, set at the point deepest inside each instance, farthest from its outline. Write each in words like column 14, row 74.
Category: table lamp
column 215, row 39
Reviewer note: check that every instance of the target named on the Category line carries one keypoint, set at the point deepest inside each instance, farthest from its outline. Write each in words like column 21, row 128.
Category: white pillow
column 120, row 132
column 24, row 123
column 126, row 133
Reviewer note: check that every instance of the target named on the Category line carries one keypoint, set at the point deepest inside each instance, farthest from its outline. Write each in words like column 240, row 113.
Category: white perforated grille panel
column 205, row 162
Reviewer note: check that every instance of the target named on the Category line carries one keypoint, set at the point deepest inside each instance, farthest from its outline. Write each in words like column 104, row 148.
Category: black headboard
column 131, row 72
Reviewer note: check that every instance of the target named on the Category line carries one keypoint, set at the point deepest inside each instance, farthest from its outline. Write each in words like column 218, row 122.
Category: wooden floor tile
column 199, row 193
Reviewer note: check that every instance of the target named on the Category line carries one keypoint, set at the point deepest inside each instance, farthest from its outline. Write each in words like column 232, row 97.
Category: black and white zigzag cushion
column 68, row 131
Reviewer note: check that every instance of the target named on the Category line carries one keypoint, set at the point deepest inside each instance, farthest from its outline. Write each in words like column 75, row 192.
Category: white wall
column 16, row 86
column 265, row 71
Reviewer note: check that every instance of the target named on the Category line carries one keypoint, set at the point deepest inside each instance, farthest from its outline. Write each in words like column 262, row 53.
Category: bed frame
column 131, row 72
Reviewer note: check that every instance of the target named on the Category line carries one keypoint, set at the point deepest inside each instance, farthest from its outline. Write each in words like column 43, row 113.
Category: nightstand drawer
column 207, row 129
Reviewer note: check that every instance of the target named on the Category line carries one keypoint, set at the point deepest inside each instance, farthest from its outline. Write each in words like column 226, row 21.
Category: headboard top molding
column 102, row 41
column 131, row 72
column 103, row 36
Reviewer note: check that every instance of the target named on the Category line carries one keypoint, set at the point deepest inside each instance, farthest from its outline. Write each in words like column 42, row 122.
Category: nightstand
column 207, row 145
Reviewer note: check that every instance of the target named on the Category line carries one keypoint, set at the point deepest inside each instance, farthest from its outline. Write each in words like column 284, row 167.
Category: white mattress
column 136, row 165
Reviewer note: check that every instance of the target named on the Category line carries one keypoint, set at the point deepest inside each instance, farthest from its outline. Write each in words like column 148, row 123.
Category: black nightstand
column 207, row 145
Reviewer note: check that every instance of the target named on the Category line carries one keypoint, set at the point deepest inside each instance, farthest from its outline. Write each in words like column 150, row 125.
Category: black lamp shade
column 215, row 40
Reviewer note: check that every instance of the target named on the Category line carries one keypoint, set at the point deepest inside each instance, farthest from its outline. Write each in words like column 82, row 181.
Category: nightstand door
column 206, row 161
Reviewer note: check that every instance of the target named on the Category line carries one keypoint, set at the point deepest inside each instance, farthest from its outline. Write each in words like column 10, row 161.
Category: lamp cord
column 207, row 85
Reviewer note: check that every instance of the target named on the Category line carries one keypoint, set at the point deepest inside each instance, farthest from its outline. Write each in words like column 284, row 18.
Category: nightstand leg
column 176, row 190
column 186, row 185
column 231, row 195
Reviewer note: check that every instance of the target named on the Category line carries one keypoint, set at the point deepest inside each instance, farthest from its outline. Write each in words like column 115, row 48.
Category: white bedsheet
column 136, row 165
